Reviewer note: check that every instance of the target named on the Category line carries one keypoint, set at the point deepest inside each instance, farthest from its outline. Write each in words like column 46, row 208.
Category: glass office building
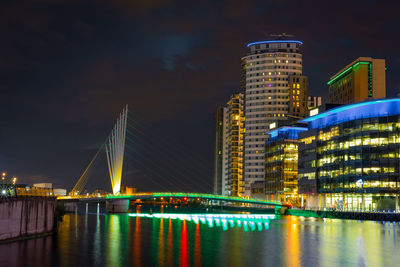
column 281, row 157
column 349, row 157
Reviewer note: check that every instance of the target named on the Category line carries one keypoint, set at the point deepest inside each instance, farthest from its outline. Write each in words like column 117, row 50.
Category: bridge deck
column 204, row 196
column 197, row 195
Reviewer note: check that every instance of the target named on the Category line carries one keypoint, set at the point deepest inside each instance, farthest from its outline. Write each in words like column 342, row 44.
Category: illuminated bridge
column 114, row 147
column 121, row 203
column 199, row 196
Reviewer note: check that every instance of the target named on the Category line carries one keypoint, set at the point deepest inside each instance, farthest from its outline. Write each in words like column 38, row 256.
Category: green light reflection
column 246, row 221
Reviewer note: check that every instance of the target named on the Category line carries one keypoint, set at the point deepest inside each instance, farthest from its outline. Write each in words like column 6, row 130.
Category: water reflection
column 170, row 246
column 293, row 242
column 137, row 243
column 200, row 240
column 184, row 257
column 114, row 241
column 246, row 221
column 197, row 247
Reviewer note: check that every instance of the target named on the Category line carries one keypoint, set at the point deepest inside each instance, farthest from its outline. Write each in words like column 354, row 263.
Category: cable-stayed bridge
column 120, row 144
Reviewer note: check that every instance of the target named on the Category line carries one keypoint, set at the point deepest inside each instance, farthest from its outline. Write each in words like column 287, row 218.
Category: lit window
column 298, row 85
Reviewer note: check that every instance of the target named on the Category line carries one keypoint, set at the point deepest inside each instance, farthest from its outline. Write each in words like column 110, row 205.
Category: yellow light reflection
column 161, row 243
column 293, row 242
column 137, row 243
column 197, row 247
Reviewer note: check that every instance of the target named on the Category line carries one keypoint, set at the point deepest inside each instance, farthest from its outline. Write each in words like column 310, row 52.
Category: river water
column 123, row 240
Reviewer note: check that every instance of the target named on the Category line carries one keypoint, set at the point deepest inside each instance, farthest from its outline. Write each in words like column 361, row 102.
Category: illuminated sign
column 314, row 112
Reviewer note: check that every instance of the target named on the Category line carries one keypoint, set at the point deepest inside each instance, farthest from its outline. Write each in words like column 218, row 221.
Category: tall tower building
column 362, row 79
column 228, row 166
column 275, row 91
column 219, row 142
column 234, row 139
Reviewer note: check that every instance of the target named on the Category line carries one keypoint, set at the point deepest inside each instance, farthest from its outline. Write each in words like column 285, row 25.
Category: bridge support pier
column 280, row 210
column 71, row 207
column 117, row 205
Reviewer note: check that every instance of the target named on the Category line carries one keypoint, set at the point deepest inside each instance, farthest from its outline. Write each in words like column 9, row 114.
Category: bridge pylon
column 115, row 146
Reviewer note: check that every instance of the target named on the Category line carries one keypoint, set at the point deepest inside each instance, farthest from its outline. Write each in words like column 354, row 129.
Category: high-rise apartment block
column 298, row 96
column 362, row 79
column 275, row 90
column 228, row 173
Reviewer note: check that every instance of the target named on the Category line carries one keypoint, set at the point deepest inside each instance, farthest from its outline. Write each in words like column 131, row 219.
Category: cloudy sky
column 67, row 68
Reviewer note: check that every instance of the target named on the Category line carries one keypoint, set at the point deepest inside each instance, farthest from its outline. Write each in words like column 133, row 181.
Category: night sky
column 67, row 68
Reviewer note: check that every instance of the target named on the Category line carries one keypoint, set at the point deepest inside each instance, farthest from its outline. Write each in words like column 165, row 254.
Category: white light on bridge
column 247, row 221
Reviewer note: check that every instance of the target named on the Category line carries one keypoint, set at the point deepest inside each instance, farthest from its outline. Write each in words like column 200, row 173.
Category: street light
column 3, row 177
column 14, row 180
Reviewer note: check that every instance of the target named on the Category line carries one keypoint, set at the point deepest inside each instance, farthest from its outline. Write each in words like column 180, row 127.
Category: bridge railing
column 199, row 195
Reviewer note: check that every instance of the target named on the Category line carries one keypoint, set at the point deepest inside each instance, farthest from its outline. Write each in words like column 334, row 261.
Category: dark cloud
column 68, row 67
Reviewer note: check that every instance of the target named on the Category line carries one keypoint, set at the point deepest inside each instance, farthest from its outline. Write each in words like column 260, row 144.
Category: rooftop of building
column 350, row 67
column 274, row 41
column 285, row 132
column 277, row 38
column 361, row 110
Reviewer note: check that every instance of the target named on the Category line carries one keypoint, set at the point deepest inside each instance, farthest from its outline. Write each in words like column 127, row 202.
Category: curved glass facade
column 350, row 157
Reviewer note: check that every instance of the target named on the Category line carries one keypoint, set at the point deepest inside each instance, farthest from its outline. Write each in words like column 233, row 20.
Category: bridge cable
column 132, row 158
column 176, row 144
column 191, row 172
column 82, row 181
column 165, row 150
column 173, row 182
column 173, row 170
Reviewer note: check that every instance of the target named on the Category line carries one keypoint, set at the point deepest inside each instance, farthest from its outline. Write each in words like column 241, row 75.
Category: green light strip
column 346, row 71
column 196, row 195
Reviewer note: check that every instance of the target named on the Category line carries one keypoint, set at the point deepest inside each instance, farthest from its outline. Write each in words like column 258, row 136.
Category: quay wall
column 22, row 217
column 350, row 215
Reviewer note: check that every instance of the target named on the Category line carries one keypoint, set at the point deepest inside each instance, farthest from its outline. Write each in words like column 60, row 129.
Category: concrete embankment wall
column 26, row 216
column 374, row 216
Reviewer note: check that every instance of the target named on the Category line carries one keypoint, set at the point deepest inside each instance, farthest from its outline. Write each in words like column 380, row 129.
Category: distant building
column 362, row 79
column 228, row 159
column 219, row 143
column 275, row 90
column 314, row 102
column 46, row 188
column 281, row 161
column 60, row 192
column 44, row 185
column 128, row 190
column 234, row 143
column 298, row 96
column 258, row 190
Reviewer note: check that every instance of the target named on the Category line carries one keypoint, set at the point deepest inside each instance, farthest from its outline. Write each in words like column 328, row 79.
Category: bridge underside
column 198, row 196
